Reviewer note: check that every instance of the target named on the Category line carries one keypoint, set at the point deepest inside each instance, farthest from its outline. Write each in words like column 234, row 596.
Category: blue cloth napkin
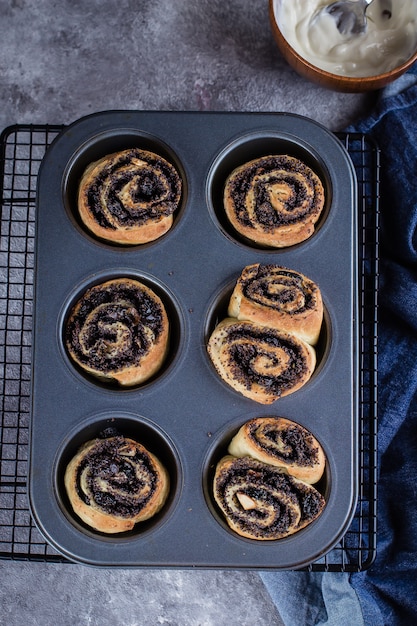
column 386, row 593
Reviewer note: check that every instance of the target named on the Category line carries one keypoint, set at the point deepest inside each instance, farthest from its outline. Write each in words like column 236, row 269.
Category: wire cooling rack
column 22, row 148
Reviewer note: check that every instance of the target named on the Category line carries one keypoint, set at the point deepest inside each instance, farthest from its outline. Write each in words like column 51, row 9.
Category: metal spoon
column 350, row 16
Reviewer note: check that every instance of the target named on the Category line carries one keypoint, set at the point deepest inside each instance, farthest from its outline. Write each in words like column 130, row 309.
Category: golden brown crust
column 118, row 331
column 260, row 501
column 278, row 297
column 274, row 200
column 261, row 363
column 282, row 443
column 129, row 197
column 114, row 483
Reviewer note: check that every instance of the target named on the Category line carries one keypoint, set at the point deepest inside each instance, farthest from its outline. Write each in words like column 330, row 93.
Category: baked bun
column 261, row 363
column 114, row 483
column 281, row 443
column 129, row 197
column 118, row 331
column 278, row 297
column 263, row 502
column 274, row 200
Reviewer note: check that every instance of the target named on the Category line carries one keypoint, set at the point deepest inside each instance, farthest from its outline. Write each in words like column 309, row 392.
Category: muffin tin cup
column 185, row 413
column 106, row 143
column 138, row 428
column 218, row 448
column 253, row 146
column 177, row 325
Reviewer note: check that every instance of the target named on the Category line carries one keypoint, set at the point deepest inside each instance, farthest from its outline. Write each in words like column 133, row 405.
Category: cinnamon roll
column 261, row 363
column 129, row 197
column 263, row 502
column 281, row 443
column 118, row 331
column 274, row 200
column 114, row 483
column 278, row 297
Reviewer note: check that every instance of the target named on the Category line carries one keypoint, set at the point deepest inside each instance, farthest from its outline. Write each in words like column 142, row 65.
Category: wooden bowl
column 326, row 79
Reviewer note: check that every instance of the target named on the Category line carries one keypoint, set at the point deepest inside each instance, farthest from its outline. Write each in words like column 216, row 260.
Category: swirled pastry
column 263, row 502
column 129, row 197
column 274, row 200
column 278, row 297
column 114, row 483
column 118, row 331
column 261, row 363
column 281, row 443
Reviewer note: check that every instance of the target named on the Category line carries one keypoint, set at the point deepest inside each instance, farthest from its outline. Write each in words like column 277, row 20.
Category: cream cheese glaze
column 386, row 44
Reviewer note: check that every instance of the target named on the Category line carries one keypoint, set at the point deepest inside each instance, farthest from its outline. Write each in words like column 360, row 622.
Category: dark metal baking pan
column 187, row 415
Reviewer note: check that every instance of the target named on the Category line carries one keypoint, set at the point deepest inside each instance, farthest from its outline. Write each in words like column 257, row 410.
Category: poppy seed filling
column 113, row 325
column 243, row 355
column 259, row 288
column 154, row 191
column 129, row 480
column 297, row 445
column 259, row 177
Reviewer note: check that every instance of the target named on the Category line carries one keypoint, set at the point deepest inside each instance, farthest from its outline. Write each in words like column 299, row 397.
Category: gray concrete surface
column 38, row 594
column 60, row 60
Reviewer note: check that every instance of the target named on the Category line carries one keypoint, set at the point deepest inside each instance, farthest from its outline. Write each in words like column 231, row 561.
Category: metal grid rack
column 22, row 148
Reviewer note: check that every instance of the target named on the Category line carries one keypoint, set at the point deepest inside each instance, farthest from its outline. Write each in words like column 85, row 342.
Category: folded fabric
column 387, row 591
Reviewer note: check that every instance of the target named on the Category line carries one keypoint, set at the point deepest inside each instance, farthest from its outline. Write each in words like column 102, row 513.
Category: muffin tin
column 186, row 415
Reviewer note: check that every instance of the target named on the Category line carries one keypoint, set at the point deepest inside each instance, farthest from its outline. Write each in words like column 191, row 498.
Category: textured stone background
column 63, row 59
column 60, row 60
column 38, row 594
